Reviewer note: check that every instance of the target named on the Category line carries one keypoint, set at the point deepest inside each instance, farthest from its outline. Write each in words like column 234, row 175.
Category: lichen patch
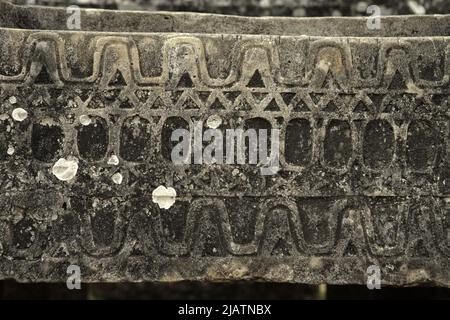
column 113, row 160
column 164, row 197
column 117, row 178
column 65, row 170
column 214, row 122
column 19, row 114
column 85, row 120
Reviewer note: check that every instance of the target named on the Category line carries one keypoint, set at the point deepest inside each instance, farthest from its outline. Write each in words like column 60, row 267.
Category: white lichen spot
column 10, row 151
column 117, row 178
column 164, row 197
column 64, row 169
column 85, row 120
column 95, row 203
column 113, row 160
column 12, row 100
column 213, row 122
column 19, row 114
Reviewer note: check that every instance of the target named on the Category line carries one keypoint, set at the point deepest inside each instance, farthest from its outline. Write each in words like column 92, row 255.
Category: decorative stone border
column 364, row 174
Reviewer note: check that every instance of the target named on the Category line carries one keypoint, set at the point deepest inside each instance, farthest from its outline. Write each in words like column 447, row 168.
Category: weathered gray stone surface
column 364, row 155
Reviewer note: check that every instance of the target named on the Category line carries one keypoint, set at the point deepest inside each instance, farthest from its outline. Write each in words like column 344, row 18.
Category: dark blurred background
column 298, row 8
column 199, row 290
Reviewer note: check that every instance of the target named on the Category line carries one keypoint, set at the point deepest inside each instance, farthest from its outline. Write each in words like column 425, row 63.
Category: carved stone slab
column 364, row 176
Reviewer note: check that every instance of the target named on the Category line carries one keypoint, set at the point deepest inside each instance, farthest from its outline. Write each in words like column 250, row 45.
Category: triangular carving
column 281, row 248
column 158, row 104
column 301, row 106
column 185, row 81
column 316, row 97
column 126, row 104
column 350, row 250
column 259, row 96
column 272, row 106
column 217, row 105
column 231, row 96
column 117, row 80
column 204, row 95
column 419, row 250
column 243, row 105
column 84, row 94
column 189, row 104
column 287, row 97
column 397, row 82
column 176, row 96
column 376, row 100
column 330, row 82
column 331, row 107
column 256, row 81
column 43, row 77
column 360, row 107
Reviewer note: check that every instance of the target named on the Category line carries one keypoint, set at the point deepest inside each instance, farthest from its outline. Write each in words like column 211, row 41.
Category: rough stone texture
column 296, row 8
column 364, row 154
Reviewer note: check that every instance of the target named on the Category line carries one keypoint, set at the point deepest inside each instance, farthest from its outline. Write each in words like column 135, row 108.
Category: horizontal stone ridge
column 41, row 18
column 85, row 121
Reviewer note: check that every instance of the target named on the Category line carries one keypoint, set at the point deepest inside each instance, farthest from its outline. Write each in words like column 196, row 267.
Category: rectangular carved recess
column 364, row 126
